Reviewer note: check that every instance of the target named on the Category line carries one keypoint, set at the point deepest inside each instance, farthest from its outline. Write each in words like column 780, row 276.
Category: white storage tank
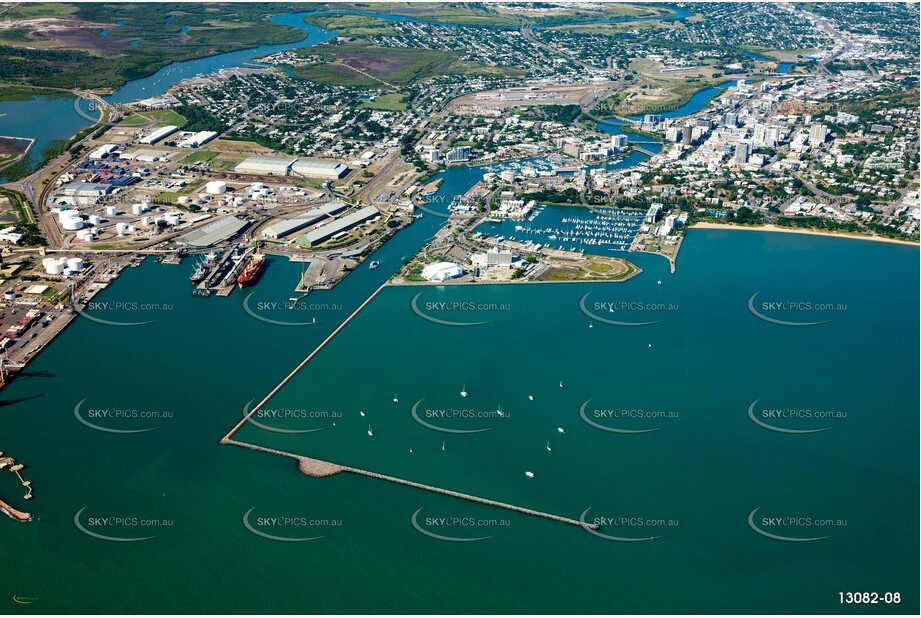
column 68, row 272
column 75, row 264
column 132, row 229
column 145, row 220
column 120, row 228
column 216, row 187
column 85, row 235
column 72, row 223
column 66, row 215
column 53, row 266
column 95, row 219
column 172, row 219
column 137, row 209
column 110, row 211
column 183, row 199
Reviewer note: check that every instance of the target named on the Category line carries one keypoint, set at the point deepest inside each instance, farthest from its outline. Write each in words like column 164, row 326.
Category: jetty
column 317, row 468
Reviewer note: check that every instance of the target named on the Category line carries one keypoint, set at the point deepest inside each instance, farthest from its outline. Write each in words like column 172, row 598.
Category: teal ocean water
column 693, row 482
column 182, row 380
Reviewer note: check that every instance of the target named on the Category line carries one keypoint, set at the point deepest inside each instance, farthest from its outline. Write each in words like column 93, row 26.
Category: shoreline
column 777, row 229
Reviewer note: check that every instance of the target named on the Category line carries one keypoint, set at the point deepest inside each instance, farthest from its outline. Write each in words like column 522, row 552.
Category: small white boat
column 395, row 399
column 591, row 325
column 531, row 397
column 500, row 412
column 548, row 447
column 362, row 412
column 529, row 474
column 464, row 391
column 560, row 429
column 660, row 282
column 561, row 384
column 442, row 445
column 370, row 432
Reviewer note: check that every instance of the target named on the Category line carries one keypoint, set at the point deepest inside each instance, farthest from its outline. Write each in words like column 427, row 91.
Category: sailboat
column 529, row 474
column 442, row 445
column 395, row 399
column 500, row 412
column 362, row 412
column 370, row 432
column 464, row 391
column 548, row 447
column 531, row 397
column 561, row 384
column 560, row 429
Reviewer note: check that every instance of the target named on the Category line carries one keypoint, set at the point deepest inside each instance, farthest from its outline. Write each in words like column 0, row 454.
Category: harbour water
column 189, row 374
column 42, row 118
column 707, row 358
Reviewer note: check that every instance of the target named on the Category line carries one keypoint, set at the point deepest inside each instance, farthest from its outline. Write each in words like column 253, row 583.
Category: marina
column 599, row 231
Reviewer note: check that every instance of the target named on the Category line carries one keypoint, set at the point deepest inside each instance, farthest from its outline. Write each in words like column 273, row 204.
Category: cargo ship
column 252, row 270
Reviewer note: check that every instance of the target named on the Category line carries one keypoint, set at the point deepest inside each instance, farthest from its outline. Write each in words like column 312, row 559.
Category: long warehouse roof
column 214, row 232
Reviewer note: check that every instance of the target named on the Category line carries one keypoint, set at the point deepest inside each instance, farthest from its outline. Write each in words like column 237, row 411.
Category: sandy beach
column 784, row 230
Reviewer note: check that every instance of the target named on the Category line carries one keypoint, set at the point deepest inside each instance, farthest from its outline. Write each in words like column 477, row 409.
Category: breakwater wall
column 317, row 468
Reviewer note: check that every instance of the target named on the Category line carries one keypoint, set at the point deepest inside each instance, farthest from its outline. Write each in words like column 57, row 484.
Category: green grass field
column 39, row 9
column 201, row 155
column 155, row 117
column 387, row 102
column 366, row 65
column 352, row 25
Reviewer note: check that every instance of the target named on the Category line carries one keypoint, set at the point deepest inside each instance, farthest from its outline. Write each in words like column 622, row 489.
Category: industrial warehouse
column 274, row 166
column 340, row 226
column 303, row 220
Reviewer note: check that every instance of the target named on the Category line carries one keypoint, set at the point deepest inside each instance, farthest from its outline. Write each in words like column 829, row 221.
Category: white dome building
column 442, row 271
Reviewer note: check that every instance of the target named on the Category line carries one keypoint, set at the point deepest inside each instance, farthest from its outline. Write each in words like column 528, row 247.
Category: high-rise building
column 619, row 141
column 817, row 134
column 741, row 153
column 731, row 120
column 686, row 136
column 774, row 136
column 458, row 155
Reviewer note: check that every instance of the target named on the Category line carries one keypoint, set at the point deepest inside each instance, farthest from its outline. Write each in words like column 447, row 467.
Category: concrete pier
column 317, row 468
